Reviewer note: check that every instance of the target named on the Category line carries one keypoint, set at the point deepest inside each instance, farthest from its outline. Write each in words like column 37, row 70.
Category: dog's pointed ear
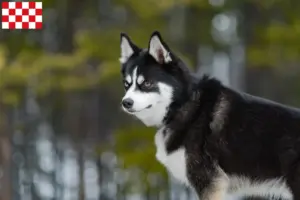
column 158, row 49
column 127, row 48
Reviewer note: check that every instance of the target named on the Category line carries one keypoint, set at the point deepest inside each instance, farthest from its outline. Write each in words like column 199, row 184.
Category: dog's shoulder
column 214, row 103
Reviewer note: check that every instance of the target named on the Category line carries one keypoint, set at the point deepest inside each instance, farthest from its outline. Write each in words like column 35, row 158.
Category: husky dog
column 222, row 143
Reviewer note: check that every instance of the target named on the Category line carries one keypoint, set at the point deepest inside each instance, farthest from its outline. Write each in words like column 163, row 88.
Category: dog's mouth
column 132, row 111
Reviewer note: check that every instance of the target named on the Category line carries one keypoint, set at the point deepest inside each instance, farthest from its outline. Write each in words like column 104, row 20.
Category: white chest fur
column 175, row 162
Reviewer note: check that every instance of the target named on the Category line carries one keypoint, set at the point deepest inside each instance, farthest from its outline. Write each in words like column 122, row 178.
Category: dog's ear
column 127, row 48
column 158, row 49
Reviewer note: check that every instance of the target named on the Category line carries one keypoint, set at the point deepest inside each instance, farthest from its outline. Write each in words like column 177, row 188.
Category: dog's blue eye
column 147, row 84
column 126, row 84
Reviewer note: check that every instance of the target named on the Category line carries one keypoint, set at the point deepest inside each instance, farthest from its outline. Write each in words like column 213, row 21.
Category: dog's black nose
column 127, row 103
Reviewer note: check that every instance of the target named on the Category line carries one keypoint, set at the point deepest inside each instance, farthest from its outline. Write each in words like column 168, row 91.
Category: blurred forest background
column 63, row 135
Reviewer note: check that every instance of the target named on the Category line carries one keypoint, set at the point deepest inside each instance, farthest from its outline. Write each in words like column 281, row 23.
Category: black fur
column 222, row 128
column 259, row 139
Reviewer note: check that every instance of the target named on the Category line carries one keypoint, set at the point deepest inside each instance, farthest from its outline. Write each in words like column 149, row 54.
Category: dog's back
column 260, row 134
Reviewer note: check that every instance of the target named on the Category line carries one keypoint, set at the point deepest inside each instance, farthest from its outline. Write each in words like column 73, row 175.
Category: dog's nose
column 127, row 103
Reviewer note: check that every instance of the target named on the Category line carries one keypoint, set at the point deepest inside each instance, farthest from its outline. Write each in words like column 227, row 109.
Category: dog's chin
column 152, row 115
column 134, row 111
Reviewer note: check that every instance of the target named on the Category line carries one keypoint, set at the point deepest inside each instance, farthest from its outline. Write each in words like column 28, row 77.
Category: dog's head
column 153, row 79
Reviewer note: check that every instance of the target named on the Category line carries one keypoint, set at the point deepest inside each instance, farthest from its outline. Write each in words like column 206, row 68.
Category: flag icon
column 22, row 15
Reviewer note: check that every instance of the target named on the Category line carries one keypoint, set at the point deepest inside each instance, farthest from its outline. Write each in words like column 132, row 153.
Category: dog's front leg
column 210, row 187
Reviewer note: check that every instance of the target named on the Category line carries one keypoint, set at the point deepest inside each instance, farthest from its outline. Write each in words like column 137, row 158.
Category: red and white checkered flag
column 22, row 15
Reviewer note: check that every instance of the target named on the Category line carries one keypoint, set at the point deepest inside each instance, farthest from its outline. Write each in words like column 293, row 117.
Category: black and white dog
column 223, row 143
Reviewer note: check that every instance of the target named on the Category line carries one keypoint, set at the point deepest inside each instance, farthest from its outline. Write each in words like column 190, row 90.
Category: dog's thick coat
column 217, row 140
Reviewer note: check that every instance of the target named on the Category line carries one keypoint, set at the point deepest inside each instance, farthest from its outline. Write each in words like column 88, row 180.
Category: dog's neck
column 202, row 98
column 179, row 111
column 179, row 106
column 183, row 111
column 178, row 121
